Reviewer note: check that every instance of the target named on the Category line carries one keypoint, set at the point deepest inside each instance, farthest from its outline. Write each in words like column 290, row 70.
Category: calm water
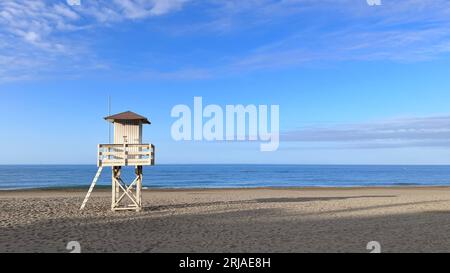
column 226, row 176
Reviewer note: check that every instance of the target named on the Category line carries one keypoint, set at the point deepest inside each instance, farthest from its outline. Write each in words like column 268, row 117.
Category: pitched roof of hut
column 128, row 116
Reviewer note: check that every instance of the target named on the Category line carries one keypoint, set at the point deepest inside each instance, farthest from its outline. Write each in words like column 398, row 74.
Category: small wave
column 408, row 184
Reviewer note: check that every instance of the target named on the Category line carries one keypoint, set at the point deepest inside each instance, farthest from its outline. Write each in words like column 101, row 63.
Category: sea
column 15, row 177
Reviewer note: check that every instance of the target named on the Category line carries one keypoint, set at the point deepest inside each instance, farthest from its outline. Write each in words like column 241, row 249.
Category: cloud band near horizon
column 394, row 133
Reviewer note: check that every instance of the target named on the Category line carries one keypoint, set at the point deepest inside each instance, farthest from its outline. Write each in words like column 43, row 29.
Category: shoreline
column 146, row 189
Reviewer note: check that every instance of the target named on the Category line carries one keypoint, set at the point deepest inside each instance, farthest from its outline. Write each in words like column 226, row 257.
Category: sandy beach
column 230, row 220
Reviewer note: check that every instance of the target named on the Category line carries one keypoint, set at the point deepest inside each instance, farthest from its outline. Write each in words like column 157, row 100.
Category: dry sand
column 228, row 220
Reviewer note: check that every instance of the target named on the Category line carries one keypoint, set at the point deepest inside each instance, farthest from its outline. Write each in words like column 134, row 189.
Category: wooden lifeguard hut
column 127, row 150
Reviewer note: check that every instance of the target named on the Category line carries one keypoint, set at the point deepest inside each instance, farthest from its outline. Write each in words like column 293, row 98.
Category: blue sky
column 356, row 84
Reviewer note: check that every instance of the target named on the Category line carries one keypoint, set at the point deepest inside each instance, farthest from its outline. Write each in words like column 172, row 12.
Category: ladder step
column 97, row 176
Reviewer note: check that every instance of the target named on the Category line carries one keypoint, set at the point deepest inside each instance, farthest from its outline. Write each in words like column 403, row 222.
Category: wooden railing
column 126, row 155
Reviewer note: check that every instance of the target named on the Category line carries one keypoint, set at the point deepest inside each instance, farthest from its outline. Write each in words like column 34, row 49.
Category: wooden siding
column 131, row 130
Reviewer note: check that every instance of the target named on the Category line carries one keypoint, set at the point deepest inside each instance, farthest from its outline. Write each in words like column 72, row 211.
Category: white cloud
column 356, row 45
column 65, row 11
column 134, row 9
column 162, row 7
column 31, row 36
column 40, row 31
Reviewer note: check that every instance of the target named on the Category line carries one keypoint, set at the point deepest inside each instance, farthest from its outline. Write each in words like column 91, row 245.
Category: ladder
column 91, row 188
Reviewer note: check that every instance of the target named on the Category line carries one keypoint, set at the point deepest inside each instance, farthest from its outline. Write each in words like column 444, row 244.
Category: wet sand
column 230, row 220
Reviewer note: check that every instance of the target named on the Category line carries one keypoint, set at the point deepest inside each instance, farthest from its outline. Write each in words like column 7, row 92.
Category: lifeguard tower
column 127, row 150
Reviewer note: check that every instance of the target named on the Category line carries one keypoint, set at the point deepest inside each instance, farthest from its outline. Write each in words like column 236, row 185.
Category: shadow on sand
column 261, row 200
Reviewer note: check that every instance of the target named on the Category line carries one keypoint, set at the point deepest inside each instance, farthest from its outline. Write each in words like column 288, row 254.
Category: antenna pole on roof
column 109, row 114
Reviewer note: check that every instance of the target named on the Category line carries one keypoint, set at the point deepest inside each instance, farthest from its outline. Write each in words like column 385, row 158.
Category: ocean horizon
column 185, row 176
